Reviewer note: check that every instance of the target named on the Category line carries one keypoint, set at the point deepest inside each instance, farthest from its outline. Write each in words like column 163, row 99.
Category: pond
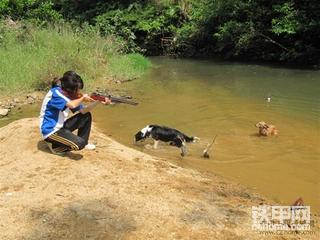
column 205, row 98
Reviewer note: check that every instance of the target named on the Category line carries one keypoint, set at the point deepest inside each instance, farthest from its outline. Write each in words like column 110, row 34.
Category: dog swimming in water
column 165, row 134
column 266, row 129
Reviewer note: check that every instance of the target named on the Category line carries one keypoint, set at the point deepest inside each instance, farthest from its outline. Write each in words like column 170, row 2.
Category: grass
column 30, row 57
column 133, row 64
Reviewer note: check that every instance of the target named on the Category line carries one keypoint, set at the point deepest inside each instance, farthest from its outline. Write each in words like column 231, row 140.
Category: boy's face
column 74, row 94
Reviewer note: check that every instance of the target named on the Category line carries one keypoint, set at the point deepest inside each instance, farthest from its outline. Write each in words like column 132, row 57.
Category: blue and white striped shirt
column 54, row 111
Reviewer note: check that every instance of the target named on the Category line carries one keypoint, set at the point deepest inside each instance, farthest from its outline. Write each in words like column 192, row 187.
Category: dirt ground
column 114, row 192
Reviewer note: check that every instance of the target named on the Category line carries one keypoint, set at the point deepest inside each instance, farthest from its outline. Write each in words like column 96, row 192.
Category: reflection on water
column 205, row 98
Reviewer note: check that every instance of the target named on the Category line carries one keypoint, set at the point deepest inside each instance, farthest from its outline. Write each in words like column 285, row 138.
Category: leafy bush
column 140, row 27
column 39, row 10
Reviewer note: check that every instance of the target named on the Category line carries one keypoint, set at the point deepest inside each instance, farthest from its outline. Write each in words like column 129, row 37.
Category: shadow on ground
column 96, row 219
column 42, row 146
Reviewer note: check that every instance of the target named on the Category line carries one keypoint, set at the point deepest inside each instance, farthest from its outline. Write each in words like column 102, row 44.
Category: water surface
column 208, row 98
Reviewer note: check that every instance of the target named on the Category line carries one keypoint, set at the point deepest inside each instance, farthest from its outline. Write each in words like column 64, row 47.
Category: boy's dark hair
column 71, row 82
column 56, row 82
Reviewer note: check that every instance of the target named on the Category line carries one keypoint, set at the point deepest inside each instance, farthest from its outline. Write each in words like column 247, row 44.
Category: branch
column 274, row 42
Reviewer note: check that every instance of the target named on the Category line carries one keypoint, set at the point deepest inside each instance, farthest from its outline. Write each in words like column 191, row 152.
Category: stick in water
column 205, row 153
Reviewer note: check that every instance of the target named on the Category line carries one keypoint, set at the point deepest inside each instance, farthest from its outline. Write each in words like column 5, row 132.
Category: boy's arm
column 76, row 102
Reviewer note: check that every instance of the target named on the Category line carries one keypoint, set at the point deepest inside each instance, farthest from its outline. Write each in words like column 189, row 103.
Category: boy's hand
column 87, row 98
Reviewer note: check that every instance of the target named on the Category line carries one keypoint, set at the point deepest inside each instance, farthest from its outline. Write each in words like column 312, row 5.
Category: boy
column 55, row 128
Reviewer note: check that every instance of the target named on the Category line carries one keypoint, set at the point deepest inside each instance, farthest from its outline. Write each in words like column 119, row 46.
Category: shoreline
column 114, row 192
column 14, row 102
column 37, row 96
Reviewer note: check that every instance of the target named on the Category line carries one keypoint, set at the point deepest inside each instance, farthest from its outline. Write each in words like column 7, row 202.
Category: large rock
column 3, row 112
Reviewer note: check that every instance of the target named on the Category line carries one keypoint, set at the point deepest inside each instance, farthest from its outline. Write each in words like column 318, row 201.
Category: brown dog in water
column 266, row 129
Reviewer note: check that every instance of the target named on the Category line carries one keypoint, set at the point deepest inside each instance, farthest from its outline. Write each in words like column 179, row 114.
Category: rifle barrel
column 122, row 100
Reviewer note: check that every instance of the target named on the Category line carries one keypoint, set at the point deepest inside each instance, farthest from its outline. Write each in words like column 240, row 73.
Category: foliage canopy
column 272, row 30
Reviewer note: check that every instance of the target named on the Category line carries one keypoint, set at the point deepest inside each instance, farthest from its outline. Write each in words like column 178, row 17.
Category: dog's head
column 139, row 136
column 142, row 134
column 262, row 125
column 265, row 129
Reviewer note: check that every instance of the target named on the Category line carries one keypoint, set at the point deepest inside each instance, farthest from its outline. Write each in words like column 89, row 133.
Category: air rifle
column 101, row 97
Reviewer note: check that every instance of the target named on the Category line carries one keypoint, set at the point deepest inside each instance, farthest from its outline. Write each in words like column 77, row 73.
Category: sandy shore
column 114, row 192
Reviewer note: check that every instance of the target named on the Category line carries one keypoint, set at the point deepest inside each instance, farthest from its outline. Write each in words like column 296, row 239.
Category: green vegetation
column 269, row 30
column 134, row 64
column 278, row 31
column 30, row 56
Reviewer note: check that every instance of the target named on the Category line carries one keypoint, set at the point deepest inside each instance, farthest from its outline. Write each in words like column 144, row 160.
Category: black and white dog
column 165, row 134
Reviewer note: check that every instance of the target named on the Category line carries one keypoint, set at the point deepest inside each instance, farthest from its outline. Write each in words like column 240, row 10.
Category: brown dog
column 266, row 129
